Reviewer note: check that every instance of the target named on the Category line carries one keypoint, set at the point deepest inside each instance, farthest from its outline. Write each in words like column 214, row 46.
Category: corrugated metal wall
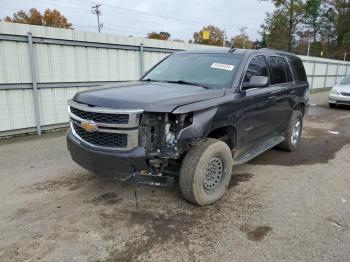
column 68, row 61
column 323, row 73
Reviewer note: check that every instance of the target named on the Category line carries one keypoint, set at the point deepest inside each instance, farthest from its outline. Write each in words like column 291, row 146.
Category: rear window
column 298, row 69
column 278, row 70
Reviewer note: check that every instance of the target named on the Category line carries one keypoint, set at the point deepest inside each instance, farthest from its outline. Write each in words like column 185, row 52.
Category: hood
column 149, row 96
column 342, row 88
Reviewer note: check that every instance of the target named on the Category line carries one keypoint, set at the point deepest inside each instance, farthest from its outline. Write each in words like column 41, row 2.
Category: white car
column 340, row 93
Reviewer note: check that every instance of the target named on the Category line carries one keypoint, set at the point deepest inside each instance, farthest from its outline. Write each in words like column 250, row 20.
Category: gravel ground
column 279, row 207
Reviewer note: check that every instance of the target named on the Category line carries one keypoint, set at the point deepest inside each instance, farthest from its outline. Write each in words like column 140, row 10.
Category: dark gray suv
column 194, row 115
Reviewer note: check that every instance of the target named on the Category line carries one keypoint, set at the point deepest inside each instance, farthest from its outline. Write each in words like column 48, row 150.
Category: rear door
column 281, row 88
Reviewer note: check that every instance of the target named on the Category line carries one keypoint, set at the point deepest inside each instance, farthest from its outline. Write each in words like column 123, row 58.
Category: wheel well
column 300, row 107
column 228, row 134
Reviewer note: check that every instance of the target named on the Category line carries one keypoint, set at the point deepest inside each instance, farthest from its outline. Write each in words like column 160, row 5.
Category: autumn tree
column 51, row 18
column 216, row 36
column 240, row 41
column 159, row 36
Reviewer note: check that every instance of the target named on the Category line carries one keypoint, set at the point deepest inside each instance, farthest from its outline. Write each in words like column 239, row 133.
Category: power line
column 147, row 19
column 96, row 10
column 242, row 30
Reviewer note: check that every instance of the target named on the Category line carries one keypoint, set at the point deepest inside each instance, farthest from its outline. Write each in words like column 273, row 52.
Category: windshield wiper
column 150, row 80
column 183, row 82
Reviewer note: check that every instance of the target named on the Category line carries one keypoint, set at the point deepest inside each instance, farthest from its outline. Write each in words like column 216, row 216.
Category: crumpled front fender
column 200, row 124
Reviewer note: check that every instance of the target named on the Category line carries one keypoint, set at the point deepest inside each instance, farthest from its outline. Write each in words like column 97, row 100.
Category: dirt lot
column 279, row 207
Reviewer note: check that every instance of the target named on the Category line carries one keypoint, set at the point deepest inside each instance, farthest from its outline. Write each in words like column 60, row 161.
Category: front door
column 257, row 108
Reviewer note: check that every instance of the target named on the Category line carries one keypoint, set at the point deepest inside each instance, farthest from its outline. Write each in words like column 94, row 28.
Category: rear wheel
column 292, row 134
column 332, row 105
column 206, row 172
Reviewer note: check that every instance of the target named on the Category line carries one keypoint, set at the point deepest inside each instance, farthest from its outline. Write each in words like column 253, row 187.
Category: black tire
column 332, row 105
column 289, row 144
column 195, row 170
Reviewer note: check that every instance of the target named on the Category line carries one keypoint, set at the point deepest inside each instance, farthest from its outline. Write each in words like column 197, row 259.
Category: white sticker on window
column 222, row 66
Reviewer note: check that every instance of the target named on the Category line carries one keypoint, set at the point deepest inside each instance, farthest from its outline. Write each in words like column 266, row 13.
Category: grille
column 101, row 138
column 101, row 117
column 345, row 94
column 343, row 102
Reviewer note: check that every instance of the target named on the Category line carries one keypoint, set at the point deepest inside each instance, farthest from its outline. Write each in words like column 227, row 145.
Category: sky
column 181, row 18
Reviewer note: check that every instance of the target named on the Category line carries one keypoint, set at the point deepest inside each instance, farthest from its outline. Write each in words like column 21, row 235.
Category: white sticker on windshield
column 222, row 66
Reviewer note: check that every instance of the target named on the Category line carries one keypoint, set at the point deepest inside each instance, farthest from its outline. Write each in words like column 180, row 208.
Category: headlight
column 334, row 91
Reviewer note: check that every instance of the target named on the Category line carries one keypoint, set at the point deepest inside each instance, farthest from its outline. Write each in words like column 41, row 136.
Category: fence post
column 142, row 61
column 34, row 82
column 337, row 73
column 325, row 77
column 313, row 75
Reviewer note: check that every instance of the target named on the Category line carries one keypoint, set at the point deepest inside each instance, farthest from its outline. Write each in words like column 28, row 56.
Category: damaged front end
column 127, row 144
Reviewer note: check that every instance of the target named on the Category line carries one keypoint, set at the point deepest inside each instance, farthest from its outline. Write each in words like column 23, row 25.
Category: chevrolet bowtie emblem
column 89, row 126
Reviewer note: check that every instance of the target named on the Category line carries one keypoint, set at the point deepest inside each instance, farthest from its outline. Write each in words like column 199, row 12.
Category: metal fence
column 41, row 68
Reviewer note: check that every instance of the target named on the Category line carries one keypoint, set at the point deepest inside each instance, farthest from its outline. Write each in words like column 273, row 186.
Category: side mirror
column 256, row 81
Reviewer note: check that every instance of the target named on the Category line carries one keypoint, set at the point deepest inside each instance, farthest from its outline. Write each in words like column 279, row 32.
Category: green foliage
column 346, row 39
column 295, row 23
column 275, row 30
column 316, row 48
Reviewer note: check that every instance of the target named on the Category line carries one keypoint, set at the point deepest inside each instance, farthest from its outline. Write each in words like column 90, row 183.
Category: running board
column 257, row 151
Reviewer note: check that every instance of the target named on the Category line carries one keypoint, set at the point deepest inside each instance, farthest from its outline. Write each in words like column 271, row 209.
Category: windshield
column 345, row 81
column 208, row 70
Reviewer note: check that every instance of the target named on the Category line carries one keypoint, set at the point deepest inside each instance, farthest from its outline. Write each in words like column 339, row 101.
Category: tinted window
column 289, row 73
column 298, row 69
column 257, row 67
column 212, row 70
column 278, row 70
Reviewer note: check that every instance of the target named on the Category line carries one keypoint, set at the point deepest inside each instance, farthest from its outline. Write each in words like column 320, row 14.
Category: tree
column 275, row 30
column 238, row 40
column 293, row 12
column 312, row 15
column 159, row 36
column 342, row 8
column 51, row 18
column 321, row 25
column 216, row 36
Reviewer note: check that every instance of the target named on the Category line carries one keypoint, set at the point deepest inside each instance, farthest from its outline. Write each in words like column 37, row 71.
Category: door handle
column 272, row 97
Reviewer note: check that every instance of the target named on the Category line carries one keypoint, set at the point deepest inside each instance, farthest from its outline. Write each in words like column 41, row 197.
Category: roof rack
column 275, row 50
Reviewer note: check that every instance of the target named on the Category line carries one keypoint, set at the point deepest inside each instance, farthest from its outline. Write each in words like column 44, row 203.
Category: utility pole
column 96, row 10
column 242, row 29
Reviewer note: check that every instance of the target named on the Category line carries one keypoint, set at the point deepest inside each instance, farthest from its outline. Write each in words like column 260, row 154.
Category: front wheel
column 206, row 172
column 292, row 134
